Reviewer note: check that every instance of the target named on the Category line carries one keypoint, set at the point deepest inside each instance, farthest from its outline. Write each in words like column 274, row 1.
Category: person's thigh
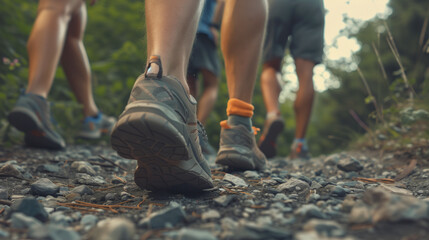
column 63, row 7
column 77, row 23
column 278, row 29
column 308, row 30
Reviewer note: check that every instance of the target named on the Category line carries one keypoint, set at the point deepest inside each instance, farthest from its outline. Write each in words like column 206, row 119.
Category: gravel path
column 87, row 192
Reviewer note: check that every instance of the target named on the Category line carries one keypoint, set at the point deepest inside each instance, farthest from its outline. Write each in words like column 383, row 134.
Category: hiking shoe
column 238, row 149
column 207, row 149
column 299, row 150
column 31, row 115
column 158, row 128
column 273, row 127
column 94, row 127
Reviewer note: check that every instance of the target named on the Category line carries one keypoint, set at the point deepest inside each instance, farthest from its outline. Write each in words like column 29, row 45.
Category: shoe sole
column 233, row 159
column 28, row 122
column 274, row 131
column 161, row 151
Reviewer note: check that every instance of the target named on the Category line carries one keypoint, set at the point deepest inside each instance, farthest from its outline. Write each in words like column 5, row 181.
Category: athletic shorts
column 204, row 56
column 302, row 21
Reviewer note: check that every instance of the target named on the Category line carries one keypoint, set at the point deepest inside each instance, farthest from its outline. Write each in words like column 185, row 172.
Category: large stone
column 44, row 187
column 380, row 205
column 30, row 207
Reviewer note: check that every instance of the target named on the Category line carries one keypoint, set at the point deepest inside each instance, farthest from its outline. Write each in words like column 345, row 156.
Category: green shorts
column 301, row 20
column 204, row 56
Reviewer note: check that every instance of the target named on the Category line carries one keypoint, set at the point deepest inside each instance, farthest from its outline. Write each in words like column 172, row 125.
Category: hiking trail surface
column 375, row 190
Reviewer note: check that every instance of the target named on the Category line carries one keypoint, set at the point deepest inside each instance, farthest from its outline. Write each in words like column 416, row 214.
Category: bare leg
column 242, row 34
column 75, row 62
column 171, row 27
column 270, row 85
column 304, row 97
column 46, row 43
column 209, row 96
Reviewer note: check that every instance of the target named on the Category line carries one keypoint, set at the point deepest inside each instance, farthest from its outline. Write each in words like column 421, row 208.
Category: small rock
column 167, row 217
column 113, row 229
column 251, row 174
column 4, row 194
column 325, row 228
column 85, row 179
column 349, row 164
column 250, row 231
column 83, row 167
column 291, row 186
column 52, row 232
column 210, row 214
column 20, row 220
column 236, row 181
column 110, row 196
column 82, row 190
column 44, row 187
column 190, row 234
column 88, row 221
column 59, row 218
column 310, row 211
column 49, row 168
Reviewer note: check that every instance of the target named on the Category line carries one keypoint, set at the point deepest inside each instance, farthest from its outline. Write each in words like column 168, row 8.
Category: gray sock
column 240, row 120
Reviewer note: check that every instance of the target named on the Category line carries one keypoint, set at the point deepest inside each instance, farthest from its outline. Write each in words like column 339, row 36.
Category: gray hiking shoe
column 94, row 127
column 238, row 148
column 207, row 149
column 31, row 115
column 273, row 127
column 158, row 128
column 299, row 150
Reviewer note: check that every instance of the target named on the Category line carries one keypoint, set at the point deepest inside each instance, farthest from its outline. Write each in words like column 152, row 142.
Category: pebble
column 210, row 215
column 44, row 187
column 82, row 190
column 251, row 174
column 224, row 200
column 52, row 232
column 168, row 217
column 349, row 164
column 88, row 221
column 113, row 229
column 309, row 211
column 236, row 181
column 20, row 220
column 325, row 228
column 190, row 234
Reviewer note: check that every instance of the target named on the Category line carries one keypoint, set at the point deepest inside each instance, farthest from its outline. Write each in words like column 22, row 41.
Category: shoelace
column 202, row 131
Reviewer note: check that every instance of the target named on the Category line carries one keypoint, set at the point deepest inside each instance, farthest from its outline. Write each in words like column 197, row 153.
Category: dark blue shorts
column 302, row 21
column 204, row 55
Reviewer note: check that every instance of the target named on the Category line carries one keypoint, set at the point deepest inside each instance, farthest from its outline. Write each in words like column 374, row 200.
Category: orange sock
column 240, row 108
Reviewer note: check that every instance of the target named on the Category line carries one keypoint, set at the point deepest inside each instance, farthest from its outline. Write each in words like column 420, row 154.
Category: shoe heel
column 143, row 136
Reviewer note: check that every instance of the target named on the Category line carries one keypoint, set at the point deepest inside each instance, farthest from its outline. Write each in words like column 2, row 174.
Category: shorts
column 301, row 20
column 204, row 55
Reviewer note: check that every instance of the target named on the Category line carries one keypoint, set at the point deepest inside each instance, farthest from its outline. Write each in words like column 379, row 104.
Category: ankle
column 240, row 113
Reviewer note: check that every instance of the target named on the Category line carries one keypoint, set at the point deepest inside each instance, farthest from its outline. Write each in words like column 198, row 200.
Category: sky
column 336, row 46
